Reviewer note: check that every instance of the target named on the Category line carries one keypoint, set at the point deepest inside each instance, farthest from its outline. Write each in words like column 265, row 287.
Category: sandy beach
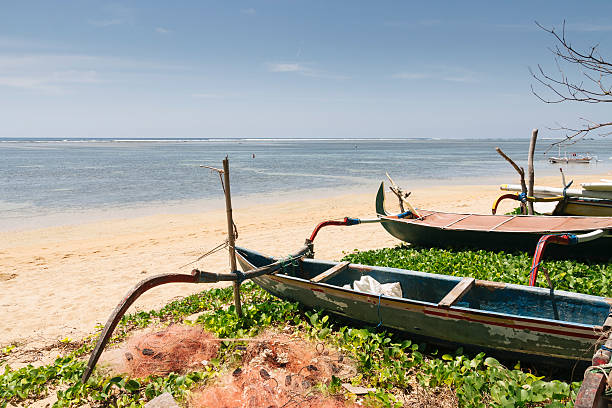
column 60, row 282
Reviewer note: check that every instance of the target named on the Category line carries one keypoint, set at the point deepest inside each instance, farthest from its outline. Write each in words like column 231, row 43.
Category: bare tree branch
column 590, row 85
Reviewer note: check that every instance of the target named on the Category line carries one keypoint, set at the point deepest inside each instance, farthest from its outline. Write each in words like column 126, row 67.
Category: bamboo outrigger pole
column 230, row 234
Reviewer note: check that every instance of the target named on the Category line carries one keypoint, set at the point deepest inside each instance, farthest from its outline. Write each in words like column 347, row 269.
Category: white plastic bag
column 368, row 284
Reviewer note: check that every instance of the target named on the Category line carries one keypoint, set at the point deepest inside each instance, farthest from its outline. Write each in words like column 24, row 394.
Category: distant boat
column 584, row 158
column 574, row 158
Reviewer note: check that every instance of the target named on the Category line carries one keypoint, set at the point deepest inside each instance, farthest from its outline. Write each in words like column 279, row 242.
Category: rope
column 565, row 189
column 604, row 369
column 218, row 248
column 380, row 322
column 233, row 223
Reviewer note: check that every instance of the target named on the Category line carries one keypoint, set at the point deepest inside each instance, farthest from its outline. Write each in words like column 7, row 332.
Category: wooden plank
column 608, row 323
column 456, row 221
column 457, row 292
column 331, row 272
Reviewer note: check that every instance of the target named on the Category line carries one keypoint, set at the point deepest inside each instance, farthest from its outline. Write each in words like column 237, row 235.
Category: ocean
column 51, row 181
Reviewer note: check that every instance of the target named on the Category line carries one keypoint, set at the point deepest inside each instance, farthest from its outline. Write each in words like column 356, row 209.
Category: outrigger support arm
column 562, row 239
column 347, row 221
column 196, row 276
column 524, row 199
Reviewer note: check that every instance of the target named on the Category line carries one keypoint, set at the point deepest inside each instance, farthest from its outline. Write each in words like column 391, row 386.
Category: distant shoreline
column 252, row 139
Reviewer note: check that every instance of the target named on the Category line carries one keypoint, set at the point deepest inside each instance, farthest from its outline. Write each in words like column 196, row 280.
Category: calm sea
column 44, row 181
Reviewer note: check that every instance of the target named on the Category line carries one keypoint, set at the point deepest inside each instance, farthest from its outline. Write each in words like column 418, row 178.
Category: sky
column 287, row 69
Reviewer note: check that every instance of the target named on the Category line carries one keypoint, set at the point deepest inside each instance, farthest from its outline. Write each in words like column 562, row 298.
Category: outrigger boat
column 495, row 232
column 583, row 158
column 529, row 322
column 526, row 321
column 523, row 321
column 594, row 200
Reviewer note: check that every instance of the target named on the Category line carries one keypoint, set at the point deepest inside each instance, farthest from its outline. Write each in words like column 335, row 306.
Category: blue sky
column 286, row 68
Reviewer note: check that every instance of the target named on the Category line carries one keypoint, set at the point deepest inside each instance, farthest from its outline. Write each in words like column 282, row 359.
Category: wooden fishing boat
column 584, row 158
column 605, row 185
column 588, row 207
column 571, row 159
column 527, row 322
column 495, row 232
column 594, row 200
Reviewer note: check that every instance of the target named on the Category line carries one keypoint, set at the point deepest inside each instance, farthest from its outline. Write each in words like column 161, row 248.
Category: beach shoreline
column 62, row 281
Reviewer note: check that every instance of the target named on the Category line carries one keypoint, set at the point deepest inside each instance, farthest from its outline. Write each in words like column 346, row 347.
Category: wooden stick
column 212, row 168
column 230, row 234
column 401, row 196
column 534, row 136
column 521, row 173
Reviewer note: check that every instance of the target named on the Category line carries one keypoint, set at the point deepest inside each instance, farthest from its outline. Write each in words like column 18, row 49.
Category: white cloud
column 302, row 69
column 53, row 82
column 163, row 30
column 249, row 11
column 287, row 67
column 64, row 73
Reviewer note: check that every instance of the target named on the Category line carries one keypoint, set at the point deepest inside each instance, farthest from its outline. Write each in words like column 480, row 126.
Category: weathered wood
column 521, row 173
column 608, row 323
column 230, row 233
column 591, row 391
column 457, row 292
column 401, row 196
column 530, row 173
column 331, row 272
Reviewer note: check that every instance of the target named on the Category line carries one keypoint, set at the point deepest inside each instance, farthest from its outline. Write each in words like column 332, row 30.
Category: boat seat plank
column 331, row 272
column 457, row 292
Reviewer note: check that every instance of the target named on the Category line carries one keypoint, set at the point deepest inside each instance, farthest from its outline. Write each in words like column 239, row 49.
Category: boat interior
column 451, row 291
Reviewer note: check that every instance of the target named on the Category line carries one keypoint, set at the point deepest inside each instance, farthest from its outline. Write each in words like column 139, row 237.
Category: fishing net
column 174, row 349
column 278, row 370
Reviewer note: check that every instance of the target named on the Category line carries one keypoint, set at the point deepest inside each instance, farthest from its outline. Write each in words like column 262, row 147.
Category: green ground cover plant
column 389, row 362
column 574, row 276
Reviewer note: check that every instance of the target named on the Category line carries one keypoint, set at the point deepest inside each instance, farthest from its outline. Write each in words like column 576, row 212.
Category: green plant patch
column 589, row 278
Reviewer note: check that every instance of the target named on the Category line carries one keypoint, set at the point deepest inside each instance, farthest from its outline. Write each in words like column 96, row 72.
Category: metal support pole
column 230, row 233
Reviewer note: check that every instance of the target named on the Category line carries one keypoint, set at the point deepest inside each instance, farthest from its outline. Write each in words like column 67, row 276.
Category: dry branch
column 521, row 173
column 591, row 86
